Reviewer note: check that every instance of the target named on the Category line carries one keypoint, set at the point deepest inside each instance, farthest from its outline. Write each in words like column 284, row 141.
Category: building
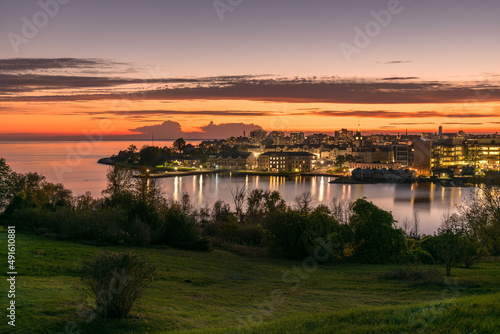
column 403, row 154
column 447, row 153
column 258, row 136
column 233, row 160
column 422, row 149
column 344, row 134
column 374, row 165
column 287, row 161
column 317, row 138
column 278, row 137
column 483, row 152
column 296, row 138
column 179, row 160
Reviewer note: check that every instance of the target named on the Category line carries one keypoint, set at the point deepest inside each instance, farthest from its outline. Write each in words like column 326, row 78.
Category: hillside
column 215, row 292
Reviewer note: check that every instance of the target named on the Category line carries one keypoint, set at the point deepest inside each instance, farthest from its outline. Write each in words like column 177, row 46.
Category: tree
column 375, row 240
column 179, row 145
column 5, row 184
column 341, row 210
column 414, row 228
column 481, row 215
column 132, row 148
column 36, row 191
column 254, row 203
column 303, row 202
column 147, row 189
column 239, row 195
column 340, row 160
column 449, row 235
column 149, row 155
column 120, row 181
column 350, row 158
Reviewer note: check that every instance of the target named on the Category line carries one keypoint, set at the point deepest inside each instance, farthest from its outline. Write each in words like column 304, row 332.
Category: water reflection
column 430, row 200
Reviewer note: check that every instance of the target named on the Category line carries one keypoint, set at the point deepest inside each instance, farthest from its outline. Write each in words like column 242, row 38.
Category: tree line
column 133, row 211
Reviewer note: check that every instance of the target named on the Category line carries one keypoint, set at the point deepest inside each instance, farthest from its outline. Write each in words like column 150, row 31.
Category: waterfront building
column 447, row 153
column 403, row 154
column 486, row 151
column 233, row 160
column 422, row 149
column 287, row 161
column 374, row 165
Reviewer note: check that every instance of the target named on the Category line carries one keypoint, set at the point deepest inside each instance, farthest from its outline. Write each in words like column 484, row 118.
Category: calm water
column 75, row 165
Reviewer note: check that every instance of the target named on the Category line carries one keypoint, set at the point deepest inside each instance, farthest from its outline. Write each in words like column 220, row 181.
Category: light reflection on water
column 431, row 200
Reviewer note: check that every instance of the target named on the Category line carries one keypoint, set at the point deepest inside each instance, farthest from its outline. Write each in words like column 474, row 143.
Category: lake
column 75, row 165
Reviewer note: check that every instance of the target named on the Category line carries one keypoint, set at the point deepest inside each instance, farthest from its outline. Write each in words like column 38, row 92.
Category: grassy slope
column 207, row 292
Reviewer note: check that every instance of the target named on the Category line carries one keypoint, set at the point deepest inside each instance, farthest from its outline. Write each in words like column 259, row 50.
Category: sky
column 218, row 68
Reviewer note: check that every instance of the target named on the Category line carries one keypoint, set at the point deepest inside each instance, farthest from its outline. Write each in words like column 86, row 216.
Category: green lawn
column 215, row 292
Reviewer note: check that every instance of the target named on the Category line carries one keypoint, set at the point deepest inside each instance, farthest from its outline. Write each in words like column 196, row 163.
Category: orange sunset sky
column 192, row 69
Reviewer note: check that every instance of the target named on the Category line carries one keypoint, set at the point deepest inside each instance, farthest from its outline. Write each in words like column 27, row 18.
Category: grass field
column 219, row 292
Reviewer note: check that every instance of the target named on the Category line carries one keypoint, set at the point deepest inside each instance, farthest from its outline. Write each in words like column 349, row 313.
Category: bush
column 180, row 230
column 115, row 282
column 246, row 234
column 409, row 274
column 294, row 234
column 375, row 239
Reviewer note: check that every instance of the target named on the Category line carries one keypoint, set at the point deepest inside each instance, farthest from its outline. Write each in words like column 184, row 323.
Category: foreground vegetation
column 218, row 291
column 345, row 267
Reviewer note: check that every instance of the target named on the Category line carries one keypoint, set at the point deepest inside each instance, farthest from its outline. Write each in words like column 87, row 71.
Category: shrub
column 375, row 239
column 294, row 234
column 115, row 282
column 180, row 230
column 409, row 274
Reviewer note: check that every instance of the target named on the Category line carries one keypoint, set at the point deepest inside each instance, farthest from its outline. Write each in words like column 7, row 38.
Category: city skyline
column 199, row 69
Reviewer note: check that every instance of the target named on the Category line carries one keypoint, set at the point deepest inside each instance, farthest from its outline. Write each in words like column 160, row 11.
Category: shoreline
column 338, row 179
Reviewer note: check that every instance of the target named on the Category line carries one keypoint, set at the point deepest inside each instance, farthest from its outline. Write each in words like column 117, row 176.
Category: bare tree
column 341, row 210
column 303, row 202
column 239, row 195
column 406, row 226
column 415, row 228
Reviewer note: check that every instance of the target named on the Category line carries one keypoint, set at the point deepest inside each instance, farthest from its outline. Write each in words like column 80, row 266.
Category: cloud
column 398, row 62
column 399, row 78
column 33, row 64
column 387, row 114
column 399, row 114
column 300, row 91
column 414, row 123
column 183, row 112
column 19, row 77
column 462, row 123
column 172, row 130
column 227, row 130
